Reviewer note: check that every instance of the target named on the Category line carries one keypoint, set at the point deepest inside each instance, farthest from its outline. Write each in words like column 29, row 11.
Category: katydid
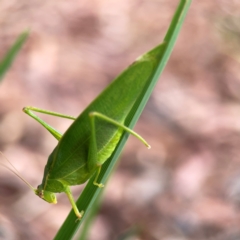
column 94, row 134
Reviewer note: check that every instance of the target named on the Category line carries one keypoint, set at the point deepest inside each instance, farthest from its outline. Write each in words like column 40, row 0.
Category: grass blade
column 161, row 55
column 8, row 59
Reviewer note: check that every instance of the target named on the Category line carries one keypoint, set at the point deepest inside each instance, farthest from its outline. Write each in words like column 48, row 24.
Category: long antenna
column 15, row 171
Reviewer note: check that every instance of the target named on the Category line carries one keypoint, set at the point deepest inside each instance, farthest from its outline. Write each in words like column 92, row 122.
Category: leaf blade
column 90, row 192
column 8, row 59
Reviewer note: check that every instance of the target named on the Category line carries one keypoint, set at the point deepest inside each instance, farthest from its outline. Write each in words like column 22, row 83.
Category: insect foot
column 79, row 216
column 100, row 185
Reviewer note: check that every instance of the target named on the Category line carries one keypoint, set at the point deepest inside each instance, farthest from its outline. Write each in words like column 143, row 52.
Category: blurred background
column 188, row 185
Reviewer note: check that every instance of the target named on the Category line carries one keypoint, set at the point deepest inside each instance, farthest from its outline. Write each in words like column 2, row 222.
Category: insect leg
column 92, row 154
column 56, row 114
column 110, row 120
column 74, row 206
column 53, row 131
column 100, row 185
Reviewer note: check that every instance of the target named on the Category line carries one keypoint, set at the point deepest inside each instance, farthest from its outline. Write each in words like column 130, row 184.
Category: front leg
column 74, row 206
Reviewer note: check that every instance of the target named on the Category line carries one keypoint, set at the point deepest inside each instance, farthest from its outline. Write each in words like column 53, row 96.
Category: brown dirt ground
column 188, row 185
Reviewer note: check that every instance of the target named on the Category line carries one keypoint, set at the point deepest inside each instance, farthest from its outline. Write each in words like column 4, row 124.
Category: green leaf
column 85, row 228
column 8, row 59
column 161, row 54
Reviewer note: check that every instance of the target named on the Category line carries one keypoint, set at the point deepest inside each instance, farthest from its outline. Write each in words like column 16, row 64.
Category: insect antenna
column 12, row 169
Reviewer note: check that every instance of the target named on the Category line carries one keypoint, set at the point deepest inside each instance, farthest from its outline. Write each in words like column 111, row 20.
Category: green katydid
column 94, row 134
